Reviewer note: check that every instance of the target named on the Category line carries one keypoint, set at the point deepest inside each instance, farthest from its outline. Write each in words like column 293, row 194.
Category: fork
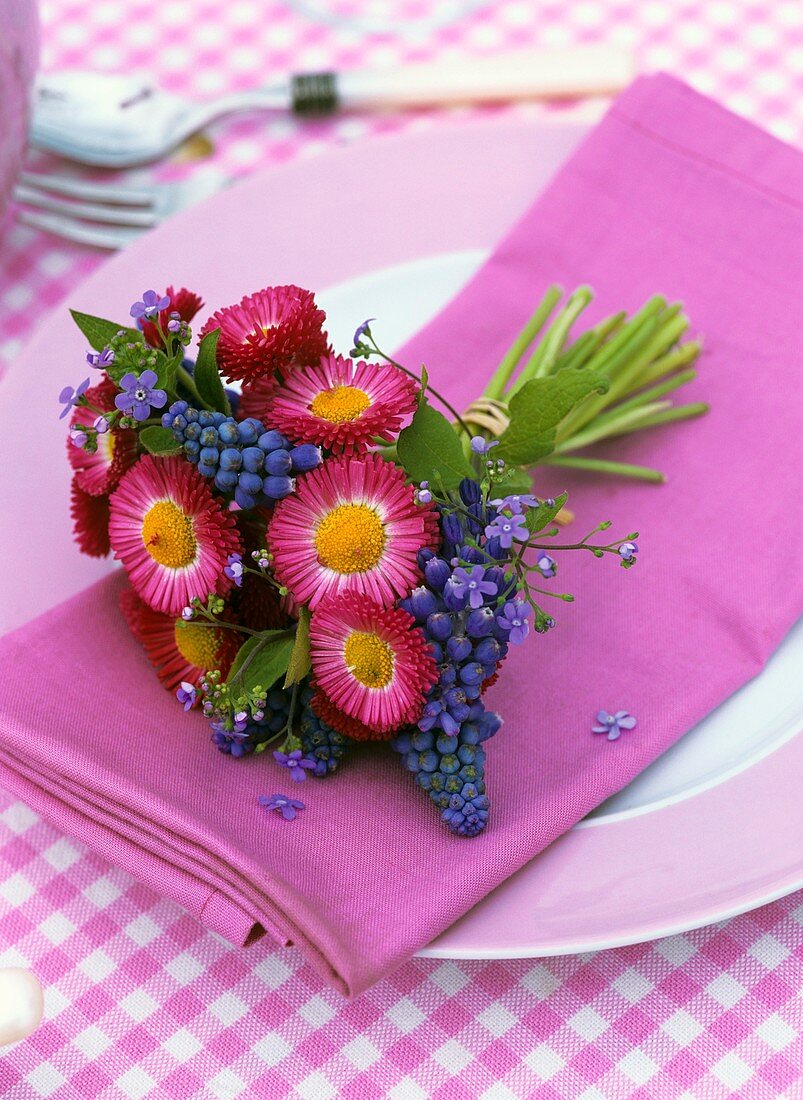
column 100, row 215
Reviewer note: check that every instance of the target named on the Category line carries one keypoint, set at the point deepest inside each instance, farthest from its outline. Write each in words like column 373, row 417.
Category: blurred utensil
column 19, row 51
column 104, row 215
column 114, row 121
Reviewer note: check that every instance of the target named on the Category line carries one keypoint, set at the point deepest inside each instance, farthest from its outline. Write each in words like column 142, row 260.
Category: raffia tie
column 488, row 413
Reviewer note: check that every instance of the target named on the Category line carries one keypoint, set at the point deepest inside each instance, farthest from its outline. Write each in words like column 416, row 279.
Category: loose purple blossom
column 78, row 438
column 628, row 551
column 139, row 395
column 362, row 330
column 70, row 397
column 614, row 724
column 150, row 305
column 471, row 585
column 285, row 805
column 187, row 694
column 481, row 446
column 234, row 569
column 506, row 529
column 516, row 503
column 513, row 618
column 296, row 762
column 100, row 359
column 547, row 566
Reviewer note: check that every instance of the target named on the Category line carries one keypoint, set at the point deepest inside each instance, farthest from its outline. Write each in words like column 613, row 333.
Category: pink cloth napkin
column 670, row 193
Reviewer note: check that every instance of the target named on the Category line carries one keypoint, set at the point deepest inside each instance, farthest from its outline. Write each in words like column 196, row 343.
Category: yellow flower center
column 369, row 659
column 350, row 538
column 168, row 535
column 341, row 404
column 198, row 645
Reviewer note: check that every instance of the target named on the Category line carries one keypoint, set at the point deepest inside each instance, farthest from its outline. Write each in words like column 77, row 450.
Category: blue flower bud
column 231, row 459
column 272, row 441
column 439, row 626
column 470, row 492
column 253, row 460
column 423, row 603
column 228, row 432
column 458, row 648
column 277, row 487
column 304, row 457
column 278, row 463
column 480, row 622
column 437, row 573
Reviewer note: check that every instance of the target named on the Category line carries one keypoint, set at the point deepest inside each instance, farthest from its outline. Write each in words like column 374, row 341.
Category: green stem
column 601, row 466
column 645, row 397
column 513, row 356
column 605, row 427
column 549, row 347
column 678, row 357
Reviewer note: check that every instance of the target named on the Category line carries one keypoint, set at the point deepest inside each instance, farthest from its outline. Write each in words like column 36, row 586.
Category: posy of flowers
column 317, row 555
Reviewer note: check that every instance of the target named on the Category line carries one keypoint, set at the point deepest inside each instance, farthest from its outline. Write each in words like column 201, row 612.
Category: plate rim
column 464, row 139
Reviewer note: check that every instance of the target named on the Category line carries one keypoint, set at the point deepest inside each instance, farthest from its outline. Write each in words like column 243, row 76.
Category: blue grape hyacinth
column 248, row 463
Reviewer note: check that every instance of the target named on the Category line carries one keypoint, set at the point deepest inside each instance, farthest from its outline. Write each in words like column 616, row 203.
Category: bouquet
column 321, row 550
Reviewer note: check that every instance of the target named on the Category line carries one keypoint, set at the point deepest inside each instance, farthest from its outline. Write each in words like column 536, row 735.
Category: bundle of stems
column 641, row 356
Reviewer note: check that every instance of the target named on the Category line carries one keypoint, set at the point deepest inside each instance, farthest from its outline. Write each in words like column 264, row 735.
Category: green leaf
column 98, row 331
column 159, row 441
column 538, row 408
column 540, row 517
column 300, row 662
column 207, row 379
column 262, row 660
column 430, row 450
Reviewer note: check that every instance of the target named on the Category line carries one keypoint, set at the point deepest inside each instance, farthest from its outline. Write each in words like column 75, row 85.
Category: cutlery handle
column 518, row 74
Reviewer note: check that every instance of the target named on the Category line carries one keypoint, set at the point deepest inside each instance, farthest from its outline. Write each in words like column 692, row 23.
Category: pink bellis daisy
column 352, row 525
column 371, row 661
column 273, row 330
column 170, row 533
column 181, row 652
column 97, row 472
column 342, row 405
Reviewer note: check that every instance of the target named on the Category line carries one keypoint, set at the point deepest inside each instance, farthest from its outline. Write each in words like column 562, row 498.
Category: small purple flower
column 508, row 528
column 513, row 618
column 481, row 446
column 362, row 330
column 628, row 551
column 283, row 803
column 472, row 585
column 150, row 305
column 547, row 566
column 423, row 493
column 614, row 724
column 187, row 694
column 78, row 438
column 139, row 395
column 100, row 359
column 101, row 425
column 234, row 569
column 70, row 397
column 187, row 613
column 516, row 503
column 296, row 762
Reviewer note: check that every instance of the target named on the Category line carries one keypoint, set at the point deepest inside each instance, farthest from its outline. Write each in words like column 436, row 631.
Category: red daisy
column 90, row 516
column 185, row 303
column 179, row 651
column 98, row 472
column 342, row 405
column 372, row 662
column 333, row 716
column 273, row 330
column 171, row 534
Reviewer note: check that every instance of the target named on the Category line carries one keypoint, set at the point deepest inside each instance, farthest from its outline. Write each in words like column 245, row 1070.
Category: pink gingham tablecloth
column 140, row 1001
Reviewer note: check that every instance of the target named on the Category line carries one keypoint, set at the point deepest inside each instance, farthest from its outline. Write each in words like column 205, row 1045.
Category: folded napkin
column 671, row 194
